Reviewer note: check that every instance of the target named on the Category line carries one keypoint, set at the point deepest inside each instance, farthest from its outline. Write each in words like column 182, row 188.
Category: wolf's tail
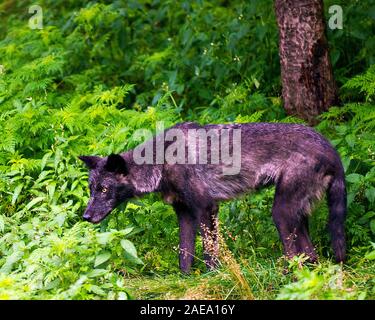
column 337, row 212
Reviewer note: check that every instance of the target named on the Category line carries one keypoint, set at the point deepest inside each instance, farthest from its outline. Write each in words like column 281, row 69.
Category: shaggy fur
column 297, row 160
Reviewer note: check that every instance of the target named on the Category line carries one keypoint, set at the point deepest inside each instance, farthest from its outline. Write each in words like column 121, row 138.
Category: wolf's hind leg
column 303, row 242
column 285, row 216
column 209, row 232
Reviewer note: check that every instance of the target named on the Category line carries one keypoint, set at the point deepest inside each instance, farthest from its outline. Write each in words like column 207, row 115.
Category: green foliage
column 365, row 83
column 323, row 283
column 77, row 264
column 100, row 70
column 354, row 140
column 352, row 48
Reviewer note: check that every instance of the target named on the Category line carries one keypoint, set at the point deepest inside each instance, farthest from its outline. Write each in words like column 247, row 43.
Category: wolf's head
column 115, row 179
column 108, row 185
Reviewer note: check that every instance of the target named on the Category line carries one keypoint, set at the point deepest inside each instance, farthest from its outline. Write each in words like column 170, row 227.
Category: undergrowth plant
column 100, row 70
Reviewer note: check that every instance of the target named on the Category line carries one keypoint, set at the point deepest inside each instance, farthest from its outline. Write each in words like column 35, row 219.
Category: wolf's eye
column 104, row 189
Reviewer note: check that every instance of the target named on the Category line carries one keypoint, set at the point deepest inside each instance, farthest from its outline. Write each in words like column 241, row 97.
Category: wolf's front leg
column 188, row 228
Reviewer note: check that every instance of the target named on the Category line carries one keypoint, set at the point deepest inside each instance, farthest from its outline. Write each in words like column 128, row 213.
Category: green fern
column 365, row 83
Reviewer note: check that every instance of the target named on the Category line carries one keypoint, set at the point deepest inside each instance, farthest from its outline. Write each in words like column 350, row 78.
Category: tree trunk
column 306, row 71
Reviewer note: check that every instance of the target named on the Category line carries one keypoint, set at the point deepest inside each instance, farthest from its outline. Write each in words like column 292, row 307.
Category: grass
column 265, row 283
column 255, row 277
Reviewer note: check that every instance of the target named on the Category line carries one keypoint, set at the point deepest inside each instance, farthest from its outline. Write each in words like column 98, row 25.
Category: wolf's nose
column 86, row 217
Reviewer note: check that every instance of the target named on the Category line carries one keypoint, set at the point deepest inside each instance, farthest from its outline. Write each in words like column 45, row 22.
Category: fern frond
column 364, row 82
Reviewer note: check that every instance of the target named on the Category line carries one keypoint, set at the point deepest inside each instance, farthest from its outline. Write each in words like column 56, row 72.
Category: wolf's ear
column 116, row 163
column 90, row 161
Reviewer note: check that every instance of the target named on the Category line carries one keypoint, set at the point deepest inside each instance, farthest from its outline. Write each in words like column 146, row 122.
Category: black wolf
column 297, row 160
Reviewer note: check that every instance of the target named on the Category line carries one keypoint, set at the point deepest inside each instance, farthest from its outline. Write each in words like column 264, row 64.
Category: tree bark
column 306, row 71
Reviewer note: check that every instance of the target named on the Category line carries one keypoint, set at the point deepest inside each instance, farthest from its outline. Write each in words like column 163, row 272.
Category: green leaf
column 346, row 163
column 370, row 194
column 97, row 273
column 51, row 189
column 97, row 290
column 58, row 156
column 104, row 237
column 60, row 218
column 2, row 224
column 131, row 251
column 34, row 202
column 16, row 193
column 44, row 160
column 354, row 178
column 335, row 142
column 372, row 226
column 101, row 258
column 370, row 256
column 52, row 284
column 351, row 140
column 351, row 197
column 122, row 296
column 10, row 261
column 126, row 231
column 362, row 296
